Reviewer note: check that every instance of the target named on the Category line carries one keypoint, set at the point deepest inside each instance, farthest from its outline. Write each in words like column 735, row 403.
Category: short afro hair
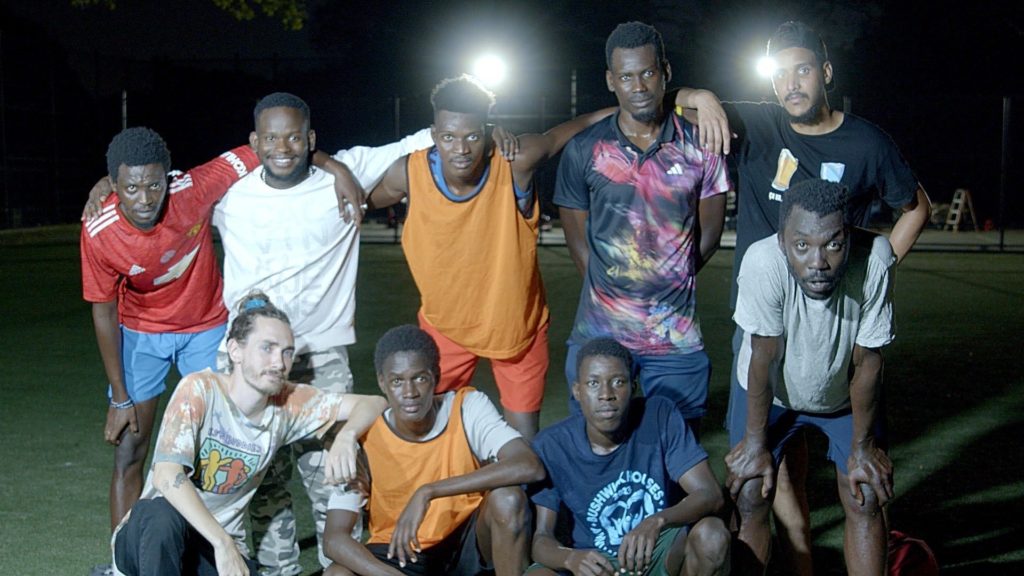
column 406, row 338
column 462, row 94
column 634, row 35
column 280, row 99
column 817, row 196
column 604, row 347
column 796, row 34
column 137, row 147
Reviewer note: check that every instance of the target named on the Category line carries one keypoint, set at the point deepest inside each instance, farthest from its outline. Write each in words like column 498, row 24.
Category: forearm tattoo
column 179, row 479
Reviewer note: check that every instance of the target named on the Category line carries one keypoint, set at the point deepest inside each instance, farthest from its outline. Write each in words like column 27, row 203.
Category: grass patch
column 954, row 384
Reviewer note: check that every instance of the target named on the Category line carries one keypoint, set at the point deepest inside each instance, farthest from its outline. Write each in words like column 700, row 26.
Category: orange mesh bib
column 398, row 467
column 474, row 260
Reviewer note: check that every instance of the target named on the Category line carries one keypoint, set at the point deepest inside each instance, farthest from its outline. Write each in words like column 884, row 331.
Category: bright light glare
column 490, row 69
column 766, row 66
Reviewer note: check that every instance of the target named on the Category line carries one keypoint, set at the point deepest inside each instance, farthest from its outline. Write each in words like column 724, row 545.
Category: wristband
column 122, row 405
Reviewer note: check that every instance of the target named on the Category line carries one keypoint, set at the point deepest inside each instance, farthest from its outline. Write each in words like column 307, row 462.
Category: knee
column 869, row 511
column 507, row 508
column 750, row 505
column 710, row 540
column 131, row 452
column 158, row 519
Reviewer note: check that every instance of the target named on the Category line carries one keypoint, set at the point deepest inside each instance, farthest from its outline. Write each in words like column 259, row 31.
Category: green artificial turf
column 954, row 383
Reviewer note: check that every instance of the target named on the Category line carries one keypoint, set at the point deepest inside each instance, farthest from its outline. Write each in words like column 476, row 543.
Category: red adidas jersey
column 165, row 279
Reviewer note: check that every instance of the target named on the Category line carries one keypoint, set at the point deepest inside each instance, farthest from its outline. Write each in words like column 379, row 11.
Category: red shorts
column 520, row 379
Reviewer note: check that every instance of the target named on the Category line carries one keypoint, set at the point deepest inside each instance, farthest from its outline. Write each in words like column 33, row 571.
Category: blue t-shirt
column 610, row 494
column 642, row 235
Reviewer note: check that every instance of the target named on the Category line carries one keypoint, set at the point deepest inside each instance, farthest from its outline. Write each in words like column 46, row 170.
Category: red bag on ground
column 910, row 556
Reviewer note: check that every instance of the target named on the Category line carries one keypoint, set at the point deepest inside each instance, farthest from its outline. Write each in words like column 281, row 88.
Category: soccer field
column 954, row 389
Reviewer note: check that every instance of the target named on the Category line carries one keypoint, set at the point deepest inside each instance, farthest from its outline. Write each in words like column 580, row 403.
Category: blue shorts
column 783, row 424
column 681, row 378
column 146, row 358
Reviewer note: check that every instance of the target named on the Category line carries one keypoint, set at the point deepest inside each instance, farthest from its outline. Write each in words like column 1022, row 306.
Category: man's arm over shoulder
column 210, row 181
column 535, row 149
column 900, row 189
column 712, row 120
column 369, row 163
column 910, row 224
column 393, row 187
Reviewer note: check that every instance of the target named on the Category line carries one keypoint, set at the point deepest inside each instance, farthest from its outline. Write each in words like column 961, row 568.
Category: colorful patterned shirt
column 642, row 217
column 225, row 454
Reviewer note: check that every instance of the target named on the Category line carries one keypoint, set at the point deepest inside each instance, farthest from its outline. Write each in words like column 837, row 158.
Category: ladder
column 961, row 203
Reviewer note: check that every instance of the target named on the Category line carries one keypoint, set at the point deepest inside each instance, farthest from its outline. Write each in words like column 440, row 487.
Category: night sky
column 933, row 75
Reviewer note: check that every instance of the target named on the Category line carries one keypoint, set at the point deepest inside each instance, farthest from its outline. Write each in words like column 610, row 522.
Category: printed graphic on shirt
column 832, row 171
column 223, row 469
column 620, row 506
column 648, row 258
column 783, row 173
column 175, row 272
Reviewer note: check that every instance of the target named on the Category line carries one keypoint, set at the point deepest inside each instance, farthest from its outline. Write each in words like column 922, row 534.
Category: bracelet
column 122, row 405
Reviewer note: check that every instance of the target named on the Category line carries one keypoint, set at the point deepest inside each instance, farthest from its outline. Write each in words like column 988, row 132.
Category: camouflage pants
column 273, row 521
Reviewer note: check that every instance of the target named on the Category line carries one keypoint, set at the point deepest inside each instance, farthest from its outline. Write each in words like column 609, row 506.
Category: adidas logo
column 675, row 170
column 136, row 270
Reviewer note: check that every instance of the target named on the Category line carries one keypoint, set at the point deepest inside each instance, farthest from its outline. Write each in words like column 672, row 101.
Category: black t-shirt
column 771, row 157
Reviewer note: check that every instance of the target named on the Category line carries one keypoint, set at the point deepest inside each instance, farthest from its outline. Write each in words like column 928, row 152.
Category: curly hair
column 634, row 35
column 137, row 147
column 818, row 196
column 604, row 347
column 462, row 94
column 406, row 338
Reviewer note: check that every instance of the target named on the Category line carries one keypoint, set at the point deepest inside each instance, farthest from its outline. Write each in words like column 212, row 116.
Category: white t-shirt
column 486, row 433
column 811, row 373
column 293, row 245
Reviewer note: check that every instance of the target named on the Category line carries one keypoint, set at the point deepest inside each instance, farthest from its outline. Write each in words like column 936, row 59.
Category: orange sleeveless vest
column 398, row 467
column 475, row 261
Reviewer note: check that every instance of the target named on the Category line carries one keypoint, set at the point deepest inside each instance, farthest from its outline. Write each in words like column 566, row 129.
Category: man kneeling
column 636, row 481
column 440, row 479
column 216, row 440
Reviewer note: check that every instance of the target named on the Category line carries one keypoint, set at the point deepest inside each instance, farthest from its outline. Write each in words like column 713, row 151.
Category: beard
column 299, row 173
column 268, row 382
column 809, row 118
column 645, row 116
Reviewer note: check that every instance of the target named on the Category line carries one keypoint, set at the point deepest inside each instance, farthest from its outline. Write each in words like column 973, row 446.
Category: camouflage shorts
column 273, row 522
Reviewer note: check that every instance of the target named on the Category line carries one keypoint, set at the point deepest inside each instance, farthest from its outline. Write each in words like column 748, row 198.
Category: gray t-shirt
column 811, row 373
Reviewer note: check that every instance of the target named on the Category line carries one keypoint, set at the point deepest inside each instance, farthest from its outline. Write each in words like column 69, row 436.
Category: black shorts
column 456, row 555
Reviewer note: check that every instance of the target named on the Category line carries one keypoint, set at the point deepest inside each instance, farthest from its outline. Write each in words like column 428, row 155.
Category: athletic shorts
column 783, row 424
column 456, row 555
column 681, row 378
column 658, row 557
column 520, row 379
column 146, row 358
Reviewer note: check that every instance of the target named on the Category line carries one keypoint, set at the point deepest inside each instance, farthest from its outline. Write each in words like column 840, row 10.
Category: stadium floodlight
column 490, row 69
column 766, row 66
